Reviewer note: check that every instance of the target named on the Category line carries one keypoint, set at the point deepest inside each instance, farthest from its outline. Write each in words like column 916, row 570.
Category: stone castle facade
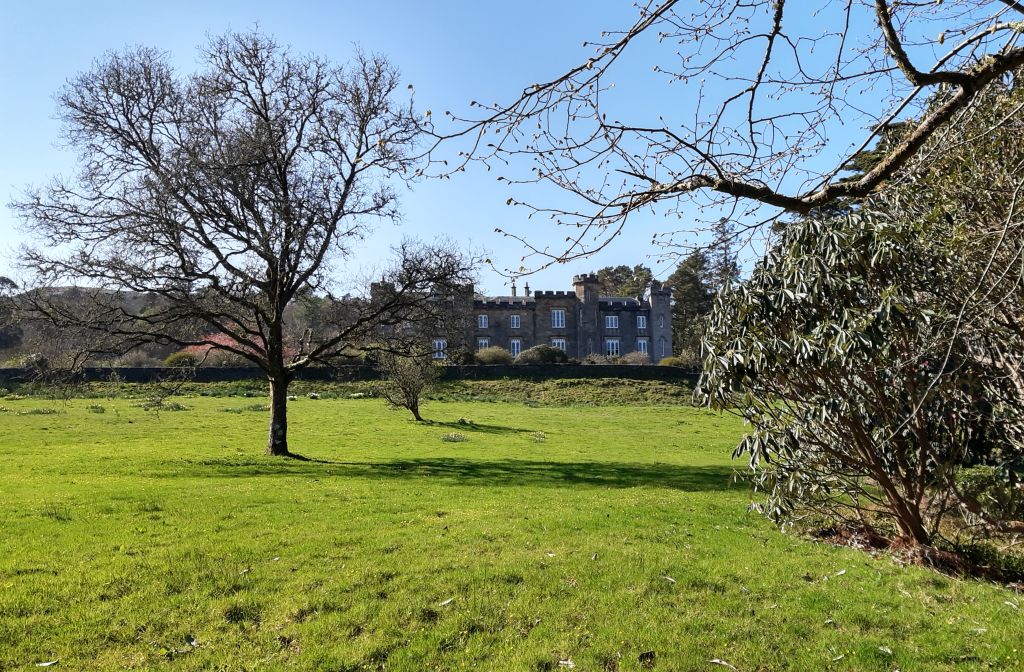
column 580, row 322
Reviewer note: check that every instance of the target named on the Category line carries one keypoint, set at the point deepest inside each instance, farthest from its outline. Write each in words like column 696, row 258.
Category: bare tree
column 229, row 194
column 406, row 377
column 754, row 93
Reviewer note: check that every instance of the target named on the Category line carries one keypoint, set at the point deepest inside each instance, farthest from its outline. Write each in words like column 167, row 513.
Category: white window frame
column 612, row 347
column 514, row 321
column 515, row 346
column 641, row 321
column 558, row 318
column 482, row 343
column 559, row 343
column 641, row 345
column 440, row 347
column 482, row 322
column 611, row 321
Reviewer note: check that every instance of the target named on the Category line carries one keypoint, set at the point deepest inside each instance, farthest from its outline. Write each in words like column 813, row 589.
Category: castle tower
column 660, row 297
column 588, row 338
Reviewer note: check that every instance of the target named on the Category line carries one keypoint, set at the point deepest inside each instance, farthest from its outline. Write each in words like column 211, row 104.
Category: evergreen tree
column 624, row 281
column 692, row 292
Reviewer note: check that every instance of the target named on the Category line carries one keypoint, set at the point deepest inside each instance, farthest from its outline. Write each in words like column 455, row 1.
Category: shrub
column 599, row 359
column 635, row 359
column 984, row 488
column 673, row 361
column 182, row 359
column 864, row 395
column 136, row 359
column 225, row 358
column 493, row 355
column 542, row 354
column 453, row 437
column 96, row 408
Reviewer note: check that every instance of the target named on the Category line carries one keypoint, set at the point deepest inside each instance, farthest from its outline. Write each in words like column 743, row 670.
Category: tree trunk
column 415, row 408
column 278, row 440
column 909, row 520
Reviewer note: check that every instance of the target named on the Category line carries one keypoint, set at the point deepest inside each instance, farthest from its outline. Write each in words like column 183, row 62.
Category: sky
column 451, row 52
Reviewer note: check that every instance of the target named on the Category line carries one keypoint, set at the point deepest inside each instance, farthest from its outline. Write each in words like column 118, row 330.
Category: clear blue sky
column 453, row 52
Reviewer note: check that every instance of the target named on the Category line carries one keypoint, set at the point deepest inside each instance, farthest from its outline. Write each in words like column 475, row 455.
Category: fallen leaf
column 1011, row 604
column 668, row 578
column 719, row 661
column 886, row 650
column 448, row 601
column 47, row 663
column 567, row 663
column 840, row 572
column 839, row 657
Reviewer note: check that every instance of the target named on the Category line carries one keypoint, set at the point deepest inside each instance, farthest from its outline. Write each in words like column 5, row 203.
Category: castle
column 579, row 322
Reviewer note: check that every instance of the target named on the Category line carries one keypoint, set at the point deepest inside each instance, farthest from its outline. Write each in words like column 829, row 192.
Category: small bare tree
column 229, row 195
column 406, row 377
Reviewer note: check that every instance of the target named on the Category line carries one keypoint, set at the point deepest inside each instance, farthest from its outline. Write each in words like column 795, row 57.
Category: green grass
column 611, row 536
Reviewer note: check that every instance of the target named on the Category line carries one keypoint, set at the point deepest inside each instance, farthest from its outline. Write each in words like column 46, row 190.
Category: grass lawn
column 608, row 536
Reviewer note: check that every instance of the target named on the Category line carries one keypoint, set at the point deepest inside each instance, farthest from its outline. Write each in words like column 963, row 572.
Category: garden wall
column 355, row 373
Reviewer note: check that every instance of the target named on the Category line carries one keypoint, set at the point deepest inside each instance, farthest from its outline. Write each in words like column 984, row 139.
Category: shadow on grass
column 460, row 471
column 484, row 429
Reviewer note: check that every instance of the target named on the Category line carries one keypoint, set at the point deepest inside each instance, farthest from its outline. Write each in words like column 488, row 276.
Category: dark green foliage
column 10, row 332
column 624, row 281
column 864, row 396
column 692, row 300
column 542, row 354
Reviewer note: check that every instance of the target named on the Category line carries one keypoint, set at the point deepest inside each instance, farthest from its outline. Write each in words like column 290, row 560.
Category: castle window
column 481, row 321
column 515, row 346
column 641, row 322
column 440, row 346
column 513, row 321
column 558, row 319
column 558, row 343
column 641, row 345
column 482, row 343
column 611, row 347
column 611, row 321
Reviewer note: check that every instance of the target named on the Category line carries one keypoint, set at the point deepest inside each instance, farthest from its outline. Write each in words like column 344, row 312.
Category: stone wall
column 359, row 373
